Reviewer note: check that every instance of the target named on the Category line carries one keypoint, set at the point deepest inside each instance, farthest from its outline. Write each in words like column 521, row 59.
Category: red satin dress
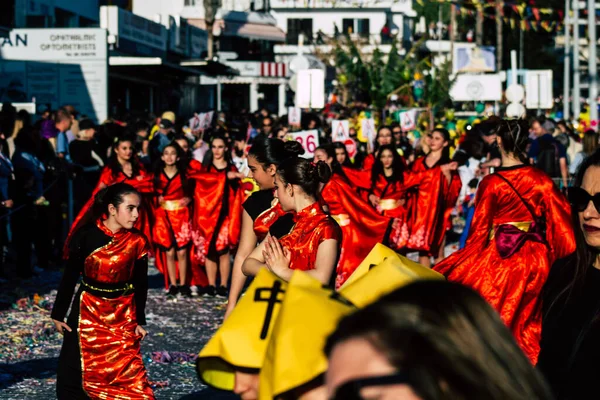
column 362, row 227
column 393, row 194
column 217, row 216
column 172, row 220
column 312, row 228
column 101, row 357
column 429, row 208
column 512, row 283
column 142, row 183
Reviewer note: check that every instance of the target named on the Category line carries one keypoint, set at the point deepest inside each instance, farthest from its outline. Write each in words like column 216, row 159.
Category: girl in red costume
column 100, row 357
column 430, row 206
column 261, row 209
column 217, row 215
column 172, row 220
column 362, row 226
column 313, row 243
column 383, row 137
column 123, row 167
column 520, row 227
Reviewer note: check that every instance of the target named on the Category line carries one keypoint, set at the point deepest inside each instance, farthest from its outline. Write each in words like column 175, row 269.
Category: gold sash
column 388, row 204
column 171, row 205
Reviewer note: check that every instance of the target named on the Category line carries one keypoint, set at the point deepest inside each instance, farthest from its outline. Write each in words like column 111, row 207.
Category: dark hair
column 181, row 166
column 112, row 194
column 207, row 161
column 382, row 127
column 304, row 173
column 584, row 255
column 448, row 341
column 29, row 140
column 113, row 162
column 269, row 151
column 473, row 183
column 61, row 115
column 397, row 165
column 340, row 145
column 445, row 159
column 515, row 135
column 590, row 142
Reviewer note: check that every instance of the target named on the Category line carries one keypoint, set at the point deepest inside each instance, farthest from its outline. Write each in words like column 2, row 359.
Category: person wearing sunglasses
column 570, row 349
column 521, row 225
column 429, row 340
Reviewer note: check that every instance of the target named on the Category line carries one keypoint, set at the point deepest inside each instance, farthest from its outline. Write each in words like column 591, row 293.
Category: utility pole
column 479, row 26
column 452, row 30
column 567, row 71
column 576, row 72
column 592, row 63
column 499, row 49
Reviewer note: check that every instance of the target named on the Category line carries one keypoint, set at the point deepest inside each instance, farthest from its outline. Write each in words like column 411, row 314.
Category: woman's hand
column 40, row 201
column 277, row 258
column 61, row 326
column 8, row 203
column 374, row 200
column 235, row 175
column 140, row 331
column 184, row 202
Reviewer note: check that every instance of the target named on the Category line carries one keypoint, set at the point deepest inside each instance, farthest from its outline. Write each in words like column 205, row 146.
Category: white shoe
column 194, row 290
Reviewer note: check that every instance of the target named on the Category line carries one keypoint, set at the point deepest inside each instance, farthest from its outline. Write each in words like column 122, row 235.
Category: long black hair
column 445, row 159
column 181, row 166
column 113, row 162
column 448, row 341
column 397, row 166
column 340, row 145
column 207, row 161
column 584, row 256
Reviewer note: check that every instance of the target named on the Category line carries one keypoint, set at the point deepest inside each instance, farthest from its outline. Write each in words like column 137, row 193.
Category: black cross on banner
column 271, row 299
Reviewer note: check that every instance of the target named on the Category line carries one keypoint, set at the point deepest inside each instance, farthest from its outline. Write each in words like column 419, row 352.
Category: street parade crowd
column 311, row 248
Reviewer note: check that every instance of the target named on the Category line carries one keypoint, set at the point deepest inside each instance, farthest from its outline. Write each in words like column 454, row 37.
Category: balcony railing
column 331, row 3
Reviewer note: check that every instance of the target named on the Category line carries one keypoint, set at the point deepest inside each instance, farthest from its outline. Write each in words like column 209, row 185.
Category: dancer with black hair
column 171, row 233
column 430, row 206
column 123, row 167
column 100, row 356
column 520, row 227
column 217, row 216
column 313, row 244
column 262, row 209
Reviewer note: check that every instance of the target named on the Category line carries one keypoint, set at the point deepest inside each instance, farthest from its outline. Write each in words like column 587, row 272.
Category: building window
column 296, row 26
column 358, row 26
column 190, row 3
column 64, row 19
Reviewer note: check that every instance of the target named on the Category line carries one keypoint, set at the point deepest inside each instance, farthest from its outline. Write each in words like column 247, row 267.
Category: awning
column 212, row 68
column 248, row 30
column 254, row 31
column 125, row 61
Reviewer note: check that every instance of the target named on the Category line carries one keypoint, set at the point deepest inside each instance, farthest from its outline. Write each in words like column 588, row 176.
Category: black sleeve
column 258, row 202
column 282, row 226
column 69, row 280
column 140, row 277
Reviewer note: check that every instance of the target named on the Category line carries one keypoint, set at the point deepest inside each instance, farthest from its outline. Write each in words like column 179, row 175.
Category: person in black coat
column 570, row 345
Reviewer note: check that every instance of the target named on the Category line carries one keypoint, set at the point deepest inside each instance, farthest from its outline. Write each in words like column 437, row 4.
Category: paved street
column 30, row 346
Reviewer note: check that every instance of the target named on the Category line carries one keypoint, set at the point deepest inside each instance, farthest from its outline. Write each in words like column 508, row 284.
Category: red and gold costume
column 101, row 358
column 172, row 219
column 507, row 256
column 362, row 227
column 217, row 216
column 429, row 210
column 312, row 228
column 142, row 183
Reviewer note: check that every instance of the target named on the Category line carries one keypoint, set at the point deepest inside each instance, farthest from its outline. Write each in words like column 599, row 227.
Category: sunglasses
column 580, row 198
column 351, row 389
